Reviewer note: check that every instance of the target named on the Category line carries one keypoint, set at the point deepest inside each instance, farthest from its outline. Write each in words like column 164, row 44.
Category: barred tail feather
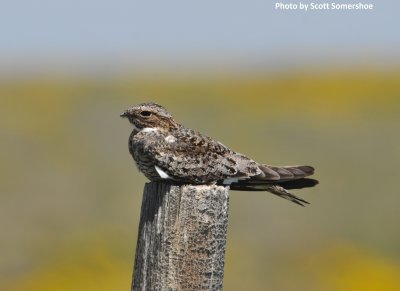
column 284, row 173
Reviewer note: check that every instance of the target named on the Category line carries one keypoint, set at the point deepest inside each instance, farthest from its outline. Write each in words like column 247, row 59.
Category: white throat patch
column 148, row 129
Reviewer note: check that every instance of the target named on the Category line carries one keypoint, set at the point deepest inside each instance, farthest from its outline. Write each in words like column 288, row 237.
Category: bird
column 166, row 151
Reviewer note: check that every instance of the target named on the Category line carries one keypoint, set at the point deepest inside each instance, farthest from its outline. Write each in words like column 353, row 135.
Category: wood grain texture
column 182, row 238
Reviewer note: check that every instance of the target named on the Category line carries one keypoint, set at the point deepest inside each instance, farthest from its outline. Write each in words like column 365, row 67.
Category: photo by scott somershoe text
column 307, row 6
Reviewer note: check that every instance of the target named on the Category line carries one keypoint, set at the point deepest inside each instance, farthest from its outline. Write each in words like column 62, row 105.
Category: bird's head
column 150, row 116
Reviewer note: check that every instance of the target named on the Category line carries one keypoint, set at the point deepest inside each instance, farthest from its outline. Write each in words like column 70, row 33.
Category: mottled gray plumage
column 165, row 150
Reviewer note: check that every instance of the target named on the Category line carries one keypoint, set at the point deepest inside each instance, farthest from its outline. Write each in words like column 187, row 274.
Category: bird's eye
column 145, row 113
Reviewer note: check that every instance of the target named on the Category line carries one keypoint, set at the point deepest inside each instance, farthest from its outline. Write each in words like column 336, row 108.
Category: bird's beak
column 124, row 114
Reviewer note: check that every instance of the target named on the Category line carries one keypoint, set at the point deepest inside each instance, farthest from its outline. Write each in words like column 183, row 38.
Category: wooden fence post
column 182, row 238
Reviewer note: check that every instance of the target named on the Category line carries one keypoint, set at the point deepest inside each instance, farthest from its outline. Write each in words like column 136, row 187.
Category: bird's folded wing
column 199, row 159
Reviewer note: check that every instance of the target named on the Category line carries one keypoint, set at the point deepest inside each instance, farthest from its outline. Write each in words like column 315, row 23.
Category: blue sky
column 187, row 28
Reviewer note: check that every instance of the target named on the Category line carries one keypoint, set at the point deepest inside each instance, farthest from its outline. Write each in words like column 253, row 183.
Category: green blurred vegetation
column 70, row 193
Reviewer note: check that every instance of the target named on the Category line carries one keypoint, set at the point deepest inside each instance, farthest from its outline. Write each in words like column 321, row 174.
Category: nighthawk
column 165, row 150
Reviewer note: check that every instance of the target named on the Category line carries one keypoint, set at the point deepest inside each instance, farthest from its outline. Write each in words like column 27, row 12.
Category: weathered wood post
column 182, row 238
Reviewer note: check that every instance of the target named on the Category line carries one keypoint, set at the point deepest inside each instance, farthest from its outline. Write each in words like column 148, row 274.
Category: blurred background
column 284, row 87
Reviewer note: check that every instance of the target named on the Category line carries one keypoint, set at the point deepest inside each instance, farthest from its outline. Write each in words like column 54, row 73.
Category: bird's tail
column 278, row 180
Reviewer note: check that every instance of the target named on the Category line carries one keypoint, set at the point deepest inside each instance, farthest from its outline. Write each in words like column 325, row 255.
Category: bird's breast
column 142, row 146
